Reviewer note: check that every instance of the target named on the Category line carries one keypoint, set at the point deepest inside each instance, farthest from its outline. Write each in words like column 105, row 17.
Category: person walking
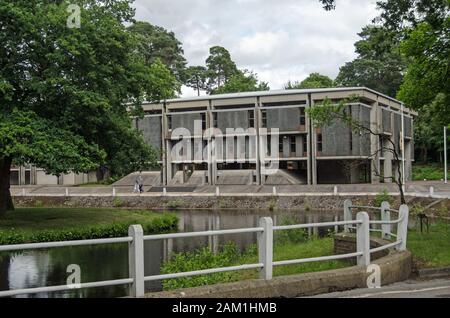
column 140, row 184
column 136, row 185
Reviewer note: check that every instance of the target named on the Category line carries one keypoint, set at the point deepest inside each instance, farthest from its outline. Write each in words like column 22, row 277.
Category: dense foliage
column 64, row 91
column 161, row 224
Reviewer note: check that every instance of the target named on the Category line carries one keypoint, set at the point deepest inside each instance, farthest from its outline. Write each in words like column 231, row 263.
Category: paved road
column 418, row 187
column 439, row 288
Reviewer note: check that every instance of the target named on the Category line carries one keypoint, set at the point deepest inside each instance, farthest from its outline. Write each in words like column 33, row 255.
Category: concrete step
column 236, row 177
column 285, row 177
column 149, row 178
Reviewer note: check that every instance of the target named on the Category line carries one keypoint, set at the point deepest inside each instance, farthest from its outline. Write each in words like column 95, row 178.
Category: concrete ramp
column 177, row 179
column 285, row 177
column 149, row 178
column 198, row 178
column 236, row 177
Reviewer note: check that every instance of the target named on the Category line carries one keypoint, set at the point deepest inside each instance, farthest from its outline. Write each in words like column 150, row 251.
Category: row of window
column 251, row 119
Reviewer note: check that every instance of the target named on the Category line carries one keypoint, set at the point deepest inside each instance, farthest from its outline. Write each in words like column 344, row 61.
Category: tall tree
column 242, row 81
column 379, row 65
column 314, row 80
column 196, row 77
column 220, row 67
column 155, row 42
column 63, row 91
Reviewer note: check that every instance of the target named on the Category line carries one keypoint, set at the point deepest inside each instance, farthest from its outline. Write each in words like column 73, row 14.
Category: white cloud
column 279, row 40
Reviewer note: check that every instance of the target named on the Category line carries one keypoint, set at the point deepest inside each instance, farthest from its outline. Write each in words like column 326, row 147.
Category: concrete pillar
column 311, row 149
column 210, row 125
column 375, row 126
column 408, row 163
column 33, row 175
column 388, row 156
column 164, row 132
column 21, row 175
column 258, row 124
column 168, row 166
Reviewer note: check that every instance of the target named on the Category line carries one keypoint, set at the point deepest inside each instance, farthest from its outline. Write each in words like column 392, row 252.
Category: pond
column 29, row 269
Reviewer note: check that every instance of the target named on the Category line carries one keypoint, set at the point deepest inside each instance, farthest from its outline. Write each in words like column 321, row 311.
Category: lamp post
column 403, row 148
column 445, row 156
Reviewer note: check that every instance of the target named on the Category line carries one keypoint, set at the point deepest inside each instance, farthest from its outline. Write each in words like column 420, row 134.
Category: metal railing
column 265, row 231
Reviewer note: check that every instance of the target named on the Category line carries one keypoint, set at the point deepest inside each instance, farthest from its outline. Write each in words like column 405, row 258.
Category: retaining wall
column 317, row 203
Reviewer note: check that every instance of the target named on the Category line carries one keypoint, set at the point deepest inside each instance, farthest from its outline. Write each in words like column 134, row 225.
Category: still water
column 31, row 269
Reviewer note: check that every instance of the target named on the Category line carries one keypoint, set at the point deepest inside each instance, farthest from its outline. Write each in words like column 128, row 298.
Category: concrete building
column 306, row 154
column 264, row 138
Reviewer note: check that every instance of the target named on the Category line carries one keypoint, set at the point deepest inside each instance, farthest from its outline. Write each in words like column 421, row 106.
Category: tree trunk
column 6, row 202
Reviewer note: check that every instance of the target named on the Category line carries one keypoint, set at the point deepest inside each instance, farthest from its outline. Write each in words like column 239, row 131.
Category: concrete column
column 164, row 131
column 408, row 163
column 312, row 142
column 33, row 175
column 258, row 123
column 168, row 166
column 389, row 157
column 307, row 150
column 21, row 175
column 375, row 120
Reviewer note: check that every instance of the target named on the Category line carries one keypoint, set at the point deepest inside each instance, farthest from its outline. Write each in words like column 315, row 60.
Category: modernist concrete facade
column 307, row 154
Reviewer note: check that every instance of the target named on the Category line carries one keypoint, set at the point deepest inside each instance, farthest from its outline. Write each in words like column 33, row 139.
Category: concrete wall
column 185, row 121
column 151, row 129
column 232, row 119
column 386, row 121
column 285, row 119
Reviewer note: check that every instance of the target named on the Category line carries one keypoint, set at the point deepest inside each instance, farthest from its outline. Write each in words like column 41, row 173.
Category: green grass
column 432, row 172
column 231, row 256
column 431, row 249
column 57, row 224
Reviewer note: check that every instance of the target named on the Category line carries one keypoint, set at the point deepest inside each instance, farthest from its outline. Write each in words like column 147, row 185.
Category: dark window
column 351, row 132
column 293, row 144
column 269, row 146
column 302, row 116
column 251, row 119
column 351, row 140
column 319, row 142
column 264, row 118
column 169, row 122
column 203, row 121
column 305, row 144
column 215, row 120
column 280, row 146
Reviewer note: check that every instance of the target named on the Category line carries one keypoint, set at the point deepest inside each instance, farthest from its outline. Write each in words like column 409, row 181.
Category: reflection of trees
column 97, row 263
column 4, row 265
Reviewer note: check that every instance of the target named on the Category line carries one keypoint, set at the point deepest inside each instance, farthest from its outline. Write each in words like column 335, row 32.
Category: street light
column 445, row 155
column 403, row 148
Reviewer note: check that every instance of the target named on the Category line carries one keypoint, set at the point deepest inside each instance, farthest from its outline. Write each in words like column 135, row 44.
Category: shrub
column 163, row 224
column 290, row 236
column 197, row 260
column 381, row 197
column 174, row 204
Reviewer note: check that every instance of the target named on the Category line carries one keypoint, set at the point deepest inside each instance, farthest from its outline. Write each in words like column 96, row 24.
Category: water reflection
column 31, row 269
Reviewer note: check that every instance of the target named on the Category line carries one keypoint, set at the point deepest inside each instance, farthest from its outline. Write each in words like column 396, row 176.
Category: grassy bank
column 231, row 256
column 430, row 172
column 26, row 225
column 431, row 249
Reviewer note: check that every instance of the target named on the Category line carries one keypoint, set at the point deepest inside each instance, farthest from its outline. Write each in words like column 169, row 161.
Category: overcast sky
column 279, row 40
